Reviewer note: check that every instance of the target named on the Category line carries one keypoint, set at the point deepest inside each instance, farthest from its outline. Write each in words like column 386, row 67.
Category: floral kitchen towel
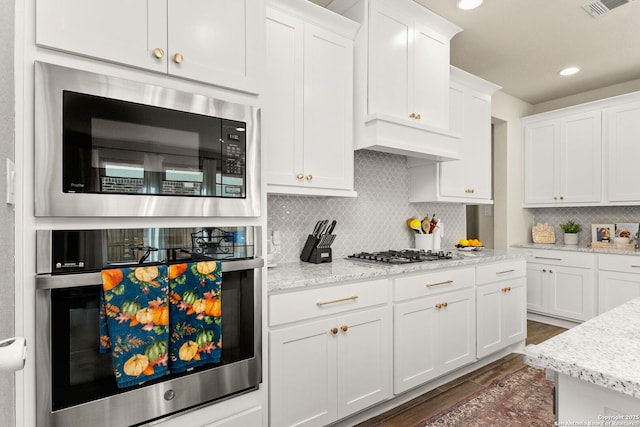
column 134, row 320
column 195, row 314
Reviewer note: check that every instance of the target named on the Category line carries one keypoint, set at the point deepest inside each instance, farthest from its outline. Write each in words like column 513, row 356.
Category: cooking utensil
column 415, row 225
column 425, row 225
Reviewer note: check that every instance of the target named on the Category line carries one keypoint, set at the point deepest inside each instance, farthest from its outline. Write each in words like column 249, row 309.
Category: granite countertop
column 574, row 248
column 604, row 350
column 293, row 275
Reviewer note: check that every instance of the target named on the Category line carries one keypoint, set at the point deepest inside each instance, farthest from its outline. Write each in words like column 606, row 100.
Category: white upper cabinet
column 467, row 180
column 212, row 41
column 622, row 129
column 402, row 78
column 308, row 100
column 563, row 161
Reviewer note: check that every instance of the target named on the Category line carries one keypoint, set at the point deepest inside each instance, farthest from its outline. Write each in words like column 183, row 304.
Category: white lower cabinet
column 326, row 369
column 434, row 334
column 501, row 299
column 618, row 280
column 561, row 284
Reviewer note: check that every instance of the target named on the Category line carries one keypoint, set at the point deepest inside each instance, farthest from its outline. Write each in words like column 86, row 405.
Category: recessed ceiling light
column 468, row 4
column 569, row 71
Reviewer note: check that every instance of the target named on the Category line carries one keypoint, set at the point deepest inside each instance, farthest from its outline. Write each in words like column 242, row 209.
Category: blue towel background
column 132, row 325
column 195, row 314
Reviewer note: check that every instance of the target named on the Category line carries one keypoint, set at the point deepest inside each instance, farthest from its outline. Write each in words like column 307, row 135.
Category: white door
column 477, row 146
column 515, row 311
column 303, row 375
column 536, row 289
column 581, row 158
column 452, row 174
column 489, row 323
column 415, row 343
column 364, row 359
column 328, row 109
column 283, row 100
column 616, row 288
column 456, row 330
column 390, row 44
column 121, row 31
column 622, row 126
column 219, row 41
column 540, row 157
column 571, row 292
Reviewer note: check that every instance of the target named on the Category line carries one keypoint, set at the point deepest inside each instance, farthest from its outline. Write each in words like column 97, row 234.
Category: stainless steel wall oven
column 75, row 382
column 107, row 146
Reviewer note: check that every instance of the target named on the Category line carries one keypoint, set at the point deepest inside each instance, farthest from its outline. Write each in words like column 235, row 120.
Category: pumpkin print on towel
column 195, row 314
column 134, row 322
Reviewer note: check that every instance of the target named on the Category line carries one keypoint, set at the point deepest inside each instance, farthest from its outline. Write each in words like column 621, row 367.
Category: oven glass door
column 80, row 373
column 112, row 146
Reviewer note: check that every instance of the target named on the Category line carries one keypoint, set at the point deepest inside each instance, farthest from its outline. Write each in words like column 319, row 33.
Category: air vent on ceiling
column 600, row 7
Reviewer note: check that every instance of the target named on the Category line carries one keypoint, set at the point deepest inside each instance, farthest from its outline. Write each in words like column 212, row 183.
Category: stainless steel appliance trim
column 51, row 80
column 61, row 281
column 147, row 403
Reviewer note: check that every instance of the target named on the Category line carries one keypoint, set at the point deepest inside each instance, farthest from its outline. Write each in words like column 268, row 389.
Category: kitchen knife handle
column 321, row 303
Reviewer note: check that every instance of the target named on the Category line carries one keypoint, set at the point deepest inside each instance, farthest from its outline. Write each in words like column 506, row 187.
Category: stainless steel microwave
column 106, row 146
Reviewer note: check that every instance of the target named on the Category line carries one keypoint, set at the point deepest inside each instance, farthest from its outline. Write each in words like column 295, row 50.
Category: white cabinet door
column 415, row 344
column 622, row 126
column 328, row 109
column 283, row 100
column 303, row 374
column 390, row 61
column 501, row 315
column 571, row 292
column 251, row 417
column 308, row 108
column 433, row 336
column 218, row 41
column 615, row 288
column 536, row 291
column 430, row 77
column 120, row 30
column 364, row 360
column 580, row 165
column 540, row 157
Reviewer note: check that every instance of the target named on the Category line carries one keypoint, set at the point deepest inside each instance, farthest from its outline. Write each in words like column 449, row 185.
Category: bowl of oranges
column 469, row 245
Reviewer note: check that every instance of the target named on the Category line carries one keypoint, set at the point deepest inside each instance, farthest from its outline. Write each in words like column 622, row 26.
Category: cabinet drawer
column 566, row 258
column 621, row 263
column 312, row 303
column 425, row 284
column 496, row 272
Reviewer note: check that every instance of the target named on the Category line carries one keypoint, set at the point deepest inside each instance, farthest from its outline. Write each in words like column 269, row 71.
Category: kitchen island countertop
column 575, row 248
column 604, row 351
column 293, row 275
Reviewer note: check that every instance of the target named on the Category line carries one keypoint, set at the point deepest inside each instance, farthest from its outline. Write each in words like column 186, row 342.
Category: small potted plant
column 571, row 230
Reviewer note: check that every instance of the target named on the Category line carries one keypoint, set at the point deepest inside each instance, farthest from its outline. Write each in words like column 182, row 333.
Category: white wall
column 512, row 222
column 7, row 120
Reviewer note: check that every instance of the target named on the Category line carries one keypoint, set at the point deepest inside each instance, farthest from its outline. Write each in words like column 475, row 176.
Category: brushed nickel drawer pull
column 439, row 283
column 505, row 271
column 337, row 300
column 544, row 257
column 635, row 266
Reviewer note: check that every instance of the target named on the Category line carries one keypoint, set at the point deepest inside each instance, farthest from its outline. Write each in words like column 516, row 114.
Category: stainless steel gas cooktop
column 404, row 256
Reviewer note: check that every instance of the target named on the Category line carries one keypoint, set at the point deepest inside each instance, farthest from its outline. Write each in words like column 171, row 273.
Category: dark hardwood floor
column 445, row 396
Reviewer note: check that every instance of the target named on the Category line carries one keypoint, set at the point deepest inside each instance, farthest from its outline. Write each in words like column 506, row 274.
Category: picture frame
column 603, row 233
column 628, row 229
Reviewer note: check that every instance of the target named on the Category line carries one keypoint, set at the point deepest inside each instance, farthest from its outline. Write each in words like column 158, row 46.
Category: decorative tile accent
column 585, row 216
column 373, row 221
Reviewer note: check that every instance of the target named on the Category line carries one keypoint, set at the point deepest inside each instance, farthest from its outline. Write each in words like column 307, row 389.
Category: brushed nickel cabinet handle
column 635, row 266
column 355, row 297
column 439, row 283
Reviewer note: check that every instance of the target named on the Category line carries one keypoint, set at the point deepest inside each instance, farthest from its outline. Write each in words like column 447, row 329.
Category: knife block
column 314, row 254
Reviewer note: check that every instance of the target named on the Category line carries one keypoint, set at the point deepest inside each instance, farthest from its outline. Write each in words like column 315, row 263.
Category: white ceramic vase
column 570, row 238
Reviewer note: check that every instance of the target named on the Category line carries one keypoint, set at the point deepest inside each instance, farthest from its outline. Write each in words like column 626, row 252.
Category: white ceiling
column 522, row 44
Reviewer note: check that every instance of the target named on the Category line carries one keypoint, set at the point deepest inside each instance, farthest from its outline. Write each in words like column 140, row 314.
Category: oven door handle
column 48, row 281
